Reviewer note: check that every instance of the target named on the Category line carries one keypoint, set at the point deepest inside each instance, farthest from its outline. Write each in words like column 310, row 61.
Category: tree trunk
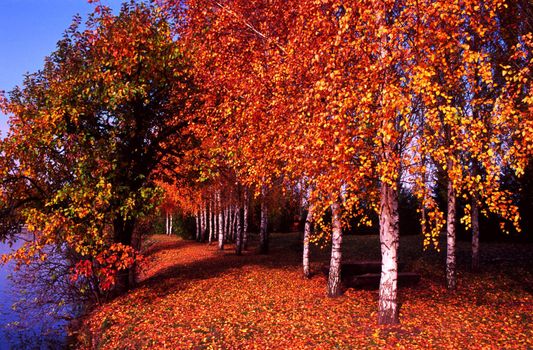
column 225, row 223
column 451, row 281
column 204, row 223
column 263, row 231
column 136, row 244
column 307, row 234
column 230, row 224
column 389, row 241
column 245, row 220
column 166, row 222
column 123, row 233
column 220, row 224
column 239, row 233
column 475, row 236
column 334, row 278
column 236, row 218
column 211, row 221
column 198, row 224
column 237, row 213
column 170, row 225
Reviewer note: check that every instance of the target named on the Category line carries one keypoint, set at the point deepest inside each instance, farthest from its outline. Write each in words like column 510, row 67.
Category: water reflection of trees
column 47, row 300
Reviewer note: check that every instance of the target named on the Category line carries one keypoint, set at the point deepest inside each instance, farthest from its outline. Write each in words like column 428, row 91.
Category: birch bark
column 475, row 236
column 220, row 224
column 307, row 234
column 451, row 281
column 263, row 231
column 389, row 239
column 334, row 278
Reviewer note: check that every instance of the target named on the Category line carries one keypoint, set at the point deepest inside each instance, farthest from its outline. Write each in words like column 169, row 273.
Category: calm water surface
column 28, row 329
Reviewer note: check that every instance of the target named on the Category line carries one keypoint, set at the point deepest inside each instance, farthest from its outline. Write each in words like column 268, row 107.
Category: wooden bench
column 366, row 275
column 371, row 280
column 350, row 268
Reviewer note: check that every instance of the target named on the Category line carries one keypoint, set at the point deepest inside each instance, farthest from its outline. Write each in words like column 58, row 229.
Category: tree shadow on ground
column 156, row 247
column 211, row 263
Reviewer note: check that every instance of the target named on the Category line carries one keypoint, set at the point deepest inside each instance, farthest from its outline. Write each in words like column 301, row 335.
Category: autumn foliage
column 207, row 106
column 88, row 134
column 355, row 102
column 193, row 297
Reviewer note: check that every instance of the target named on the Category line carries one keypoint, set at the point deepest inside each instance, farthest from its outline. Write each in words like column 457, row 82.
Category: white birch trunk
column 334, row 278
column 239, row 232
column 263, row 230
column 245, row 220
column 204, row 222
column 389, row 241
column 220, row 224
column 169, row 229
column 236, row 210
column 234, row 216
column 214, row 218
column 307, row 234
column 229, row 232
column 198, row 224
column 211, row 211
column 389, row 234
column 225, row 222
column 166, row 222
column 475, row 236
column 451, row 281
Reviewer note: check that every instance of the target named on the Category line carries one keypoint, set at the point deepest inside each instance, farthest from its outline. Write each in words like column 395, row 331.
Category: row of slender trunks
column 229, row 223
column 225, row 223
column 389, row 240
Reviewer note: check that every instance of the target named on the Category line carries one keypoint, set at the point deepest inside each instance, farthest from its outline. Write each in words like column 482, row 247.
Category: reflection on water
column 28, row 314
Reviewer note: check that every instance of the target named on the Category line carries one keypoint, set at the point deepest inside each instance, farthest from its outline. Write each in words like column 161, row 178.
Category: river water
column 25, row 326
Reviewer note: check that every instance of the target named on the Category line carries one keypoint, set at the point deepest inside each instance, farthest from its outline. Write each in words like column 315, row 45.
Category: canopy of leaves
column 345, row 98
column 90, row 131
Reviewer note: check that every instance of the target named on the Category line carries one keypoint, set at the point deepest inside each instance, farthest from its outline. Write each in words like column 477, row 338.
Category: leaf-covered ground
column 192, row 296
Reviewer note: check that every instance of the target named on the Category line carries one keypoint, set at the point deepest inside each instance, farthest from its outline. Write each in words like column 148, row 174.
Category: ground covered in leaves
column 192, row 296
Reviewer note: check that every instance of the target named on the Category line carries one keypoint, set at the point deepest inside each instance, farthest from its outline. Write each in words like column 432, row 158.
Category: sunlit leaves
column 196, row 297
column 89, row 132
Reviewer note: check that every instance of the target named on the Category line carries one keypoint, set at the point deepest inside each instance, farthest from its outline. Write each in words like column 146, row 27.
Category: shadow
column 215, row 263
column 210, row 263
column 159, row 246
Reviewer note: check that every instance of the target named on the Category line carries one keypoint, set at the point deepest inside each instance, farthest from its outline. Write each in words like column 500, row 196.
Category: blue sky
column 29, row 31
